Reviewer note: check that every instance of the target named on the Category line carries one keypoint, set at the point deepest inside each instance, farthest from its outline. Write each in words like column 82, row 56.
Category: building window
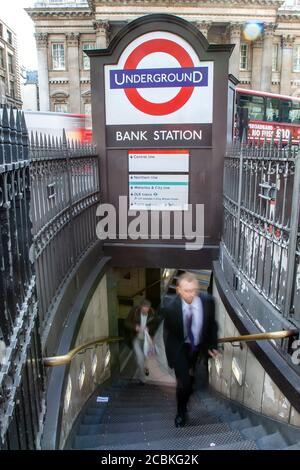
column 9, row 37
column 244, row 57
column 12, row 89
column 10, row 63
column 85, row 59
column 275, row 58
column 1, row 30
column 1, row 57
column 2, row 89
column 58, row 56
column 296, row 61
column 60, row 107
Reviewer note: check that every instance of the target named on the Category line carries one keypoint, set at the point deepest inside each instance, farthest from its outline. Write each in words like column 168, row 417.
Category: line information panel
column 158, row 192
column 158, row 160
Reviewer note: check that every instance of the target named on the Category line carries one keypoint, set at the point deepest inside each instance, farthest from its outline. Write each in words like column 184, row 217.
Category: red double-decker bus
column 270, row 114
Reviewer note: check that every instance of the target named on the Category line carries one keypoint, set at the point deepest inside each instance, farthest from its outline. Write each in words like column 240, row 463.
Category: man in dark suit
column 190, row 329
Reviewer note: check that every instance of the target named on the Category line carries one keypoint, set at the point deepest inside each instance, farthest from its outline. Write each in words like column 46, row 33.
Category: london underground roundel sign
column 159, row 79
column 163, row 46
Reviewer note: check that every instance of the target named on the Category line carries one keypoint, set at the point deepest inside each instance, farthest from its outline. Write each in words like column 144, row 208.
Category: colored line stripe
column 136, row 183
column 157, row 152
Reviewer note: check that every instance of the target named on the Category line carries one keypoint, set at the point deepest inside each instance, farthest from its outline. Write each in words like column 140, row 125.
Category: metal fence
column 65, row 193
column 21, row 372
column 49, row 191
column 261, row 220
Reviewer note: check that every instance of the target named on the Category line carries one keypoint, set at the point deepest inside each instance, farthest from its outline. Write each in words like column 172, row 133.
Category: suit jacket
column 173, row 328
column 134, row 319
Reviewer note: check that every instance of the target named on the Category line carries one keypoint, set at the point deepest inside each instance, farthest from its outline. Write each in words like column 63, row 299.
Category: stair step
column 240, row 424
column 140, row 436
column 187, row 443
column 240, row 445
column 254, row 432
column 272, row 442
column 229, row 416
column 195, row 417
column 91, row 419
column 293, row 447
column 137, row 410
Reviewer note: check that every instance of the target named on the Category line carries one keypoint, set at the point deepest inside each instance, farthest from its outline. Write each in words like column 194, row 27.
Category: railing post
column 66, row 151
column 239, row 202
column 293, row 239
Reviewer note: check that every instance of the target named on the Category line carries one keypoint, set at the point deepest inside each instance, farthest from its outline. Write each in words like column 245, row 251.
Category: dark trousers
column 186, row 362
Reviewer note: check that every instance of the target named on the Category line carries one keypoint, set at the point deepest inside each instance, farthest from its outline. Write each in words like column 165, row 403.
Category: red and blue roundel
column 159, row 75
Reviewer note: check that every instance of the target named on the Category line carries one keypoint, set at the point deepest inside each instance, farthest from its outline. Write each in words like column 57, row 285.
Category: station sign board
column 159, row 94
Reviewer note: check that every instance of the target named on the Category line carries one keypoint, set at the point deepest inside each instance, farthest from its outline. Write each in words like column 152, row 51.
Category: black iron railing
column 21, row 369
column 65, row 193
column 49, row 190
column 261, row 220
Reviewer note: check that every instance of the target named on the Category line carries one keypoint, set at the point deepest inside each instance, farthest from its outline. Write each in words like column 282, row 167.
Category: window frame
column 246, row 57
column 296, row 58
column 53, row 59
column 275, row 51
column 85, row 58
column 10, row 63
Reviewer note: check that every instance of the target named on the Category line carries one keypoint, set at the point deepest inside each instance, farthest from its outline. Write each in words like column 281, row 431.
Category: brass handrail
column 67, row 358
column 259, row 336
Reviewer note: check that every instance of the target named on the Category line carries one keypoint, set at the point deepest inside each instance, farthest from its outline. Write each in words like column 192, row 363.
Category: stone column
column 256, row 64
column 235, row 38
column 102, row 31
column 73, row 72
column 42, row 56
column 266, row 65
column 203, row 27
column 287, row 43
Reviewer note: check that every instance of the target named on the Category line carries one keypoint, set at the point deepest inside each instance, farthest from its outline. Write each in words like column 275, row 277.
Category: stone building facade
column 270, row 62
column 10, row 91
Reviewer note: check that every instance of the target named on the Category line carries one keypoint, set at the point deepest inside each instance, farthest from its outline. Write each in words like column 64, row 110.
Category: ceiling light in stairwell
column 94, row 364
column 107, row 359
column 68, row 395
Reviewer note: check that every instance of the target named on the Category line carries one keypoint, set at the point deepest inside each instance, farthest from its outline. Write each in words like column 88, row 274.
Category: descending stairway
column 138, row 417
column 142, row 418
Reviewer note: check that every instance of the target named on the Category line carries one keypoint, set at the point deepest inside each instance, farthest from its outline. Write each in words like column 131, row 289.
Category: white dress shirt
column 197, row 321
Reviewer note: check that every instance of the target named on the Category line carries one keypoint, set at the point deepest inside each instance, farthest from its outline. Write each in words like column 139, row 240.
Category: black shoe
column 179, row 421
column 146, row 371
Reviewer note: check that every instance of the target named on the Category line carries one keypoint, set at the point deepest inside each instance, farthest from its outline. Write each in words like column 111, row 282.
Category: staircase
column 140, row 417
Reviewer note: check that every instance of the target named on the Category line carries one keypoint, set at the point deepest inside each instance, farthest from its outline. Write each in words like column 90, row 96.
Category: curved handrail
column 67, row 358
column 259, row 336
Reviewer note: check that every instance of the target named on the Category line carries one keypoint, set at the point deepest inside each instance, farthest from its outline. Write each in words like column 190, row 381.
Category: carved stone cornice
column 72, row 39
column 101, row 26
column 58, row 13
column 269, row 29
column 235, row 30
column 289, row 15
column 95, row 3
column 203, row 26
column 41, row 40
column 287, row 41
